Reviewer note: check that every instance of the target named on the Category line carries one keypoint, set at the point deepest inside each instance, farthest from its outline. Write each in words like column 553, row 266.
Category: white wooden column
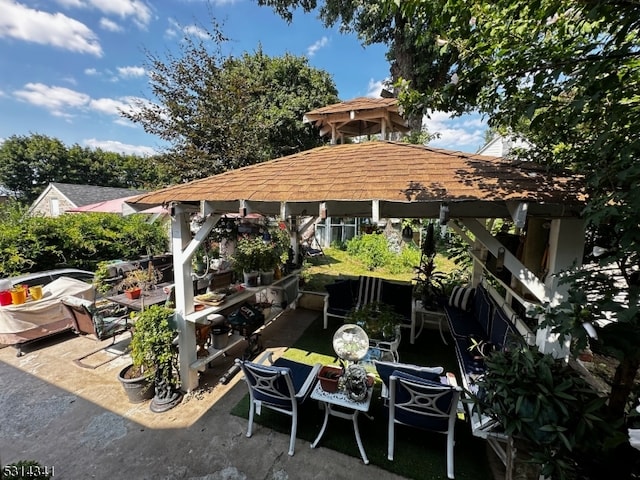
column 566, row 248
column 180, row 238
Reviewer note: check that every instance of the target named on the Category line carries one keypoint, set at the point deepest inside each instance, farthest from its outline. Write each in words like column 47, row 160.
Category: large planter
column 266, row 277
column 133, row 293
column 251, row 278
column 138, row 389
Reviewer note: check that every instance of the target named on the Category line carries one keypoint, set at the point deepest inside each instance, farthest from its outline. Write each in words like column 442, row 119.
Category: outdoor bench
column 478, row 325
column 345, row 295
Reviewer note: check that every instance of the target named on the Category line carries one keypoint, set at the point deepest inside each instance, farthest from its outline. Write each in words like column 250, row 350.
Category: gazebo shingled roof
column 359, row 116
column 407, row 180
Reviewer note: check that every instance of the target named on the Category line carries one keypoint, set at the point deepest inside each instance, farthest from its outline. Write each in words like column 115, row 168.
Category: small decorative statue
column 355, row 382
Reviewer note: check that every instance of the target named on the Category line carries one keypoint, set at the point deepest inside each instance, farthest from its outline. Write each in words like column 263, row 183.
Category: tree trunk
column 622, row 384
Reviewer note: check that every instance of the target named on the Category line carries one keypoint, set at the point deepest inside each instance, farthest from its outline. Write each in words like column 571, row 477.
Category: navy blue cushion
column 501, row 328
column 399, row 296
column 298, row 371
column 462, row 324
column 439, row 424
column 482, row 309
column 341, row 298
column 385, row 369
column 465, row 357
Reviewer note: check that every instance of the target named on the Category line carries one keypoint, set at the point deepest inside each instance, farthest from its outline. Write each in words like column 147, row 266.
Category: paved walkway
column 80, row 422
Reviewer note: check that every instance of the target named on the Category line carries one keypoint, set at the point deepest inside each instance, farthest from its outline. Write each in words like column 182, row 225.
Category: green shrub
column 34, row 243
column 371, row 250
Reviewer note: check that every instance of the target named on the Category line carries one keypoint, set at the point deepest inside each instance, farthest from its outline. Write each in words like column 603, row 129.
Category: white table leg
column 324, row 425
column 358, row 439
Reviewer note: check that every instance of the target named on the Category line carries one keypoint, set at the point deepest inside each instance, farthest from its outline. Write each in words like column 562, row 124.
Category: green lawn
column 324, row 269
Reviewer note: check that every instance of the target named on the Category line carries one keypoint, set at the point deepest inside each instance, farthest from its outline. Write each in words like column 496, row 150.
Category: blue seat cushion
column 385, row 369
column 298, row 371
column 466, row 359
column 411, row 415
column 501, row 328
column 462, row 324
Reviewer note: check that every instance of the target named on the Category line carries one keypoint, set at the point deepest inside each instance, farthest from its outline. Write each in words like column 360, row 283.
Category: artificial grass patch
column 418, row 454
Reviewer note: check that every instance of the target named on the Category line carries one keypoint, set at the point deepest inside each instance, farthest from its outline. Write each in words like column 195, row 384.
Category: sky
column 68, row 67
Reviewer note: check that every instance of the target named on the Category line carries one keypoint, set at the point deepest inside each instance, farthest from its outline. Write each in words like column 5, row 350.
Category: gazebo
column 381, row 179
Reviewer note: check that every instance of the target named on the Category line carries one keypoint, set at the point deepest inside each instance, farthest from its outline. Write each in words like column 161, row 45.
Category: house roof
column 359, row 116
column 116, row 205
column 81, row 195
column 396, row 179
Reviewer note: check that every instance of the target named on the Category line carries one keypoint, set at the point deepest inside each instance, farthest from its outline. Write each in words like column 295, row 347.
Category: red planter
column 329, row 377
column 133, row 293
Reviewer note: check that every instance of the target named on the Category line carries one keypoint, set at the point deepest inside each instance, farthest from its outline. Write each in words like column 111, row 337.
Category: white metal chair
column 281, row 386
column 422, row 404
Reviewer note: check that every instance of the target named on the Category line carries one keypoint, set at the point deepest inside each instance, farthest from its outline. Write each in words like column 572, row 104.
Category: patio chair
column 281, row 386
column 423, row 404
column 101, row 323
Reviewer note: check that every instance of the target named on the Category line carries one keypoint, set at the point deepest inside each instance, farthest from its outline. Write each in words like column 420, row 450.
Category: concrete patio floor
column 80, row 422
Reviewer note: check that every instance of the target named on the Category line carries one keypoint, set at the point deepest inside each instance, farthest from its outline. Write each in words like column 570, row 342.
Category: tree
column 220, row 113
column 29, row 163
column 572, row 70
column 412, row 40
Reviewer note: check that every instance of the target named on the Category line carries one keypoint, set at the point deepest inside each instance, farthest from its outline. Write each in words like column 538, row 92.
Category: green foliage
column 152, row 342
column 545, row 404
column 32, row 243
column 220, row 112
column 564, row 75
column 413, row 52
column 379, row 320
column 29, row 163
column 370, row 249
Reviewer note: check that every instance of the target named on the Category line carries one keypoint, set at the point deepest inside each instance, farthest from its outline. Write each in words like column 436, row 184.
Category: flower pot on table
column 329, row 377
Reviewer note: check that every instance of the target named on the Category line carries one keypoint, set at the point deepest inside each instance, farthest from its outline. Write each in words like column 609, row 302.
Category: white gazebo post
column 566, row 248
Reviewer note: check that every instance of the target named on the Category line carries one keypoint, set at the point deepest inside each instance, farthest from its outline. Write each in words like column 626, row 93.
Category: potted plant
column 429, row 282
column 154, row 355
column 552, row 413
column 379, row 320
column 138, row 280
column 247, row 259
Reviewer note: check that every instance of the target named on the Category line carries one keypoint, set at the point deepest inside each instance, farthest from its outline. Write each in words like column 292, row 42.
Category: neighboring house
column 500, row 146
column 57, row 198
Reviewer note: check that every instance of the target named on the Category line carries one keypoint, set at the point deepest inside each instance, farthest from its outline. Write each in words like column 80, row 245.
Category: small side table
column 340, row 405
column 432, row 317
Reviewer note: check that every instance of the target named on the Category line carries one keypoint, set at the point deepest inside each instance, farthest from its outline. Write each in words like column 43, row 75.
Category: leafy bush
column 372, row 250
column 34, row 243
column 546, row 405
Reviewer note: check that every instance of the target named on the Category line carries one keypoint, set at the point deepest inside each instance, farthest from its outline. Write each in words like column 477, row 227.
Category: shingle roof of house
column 407, row 176
column 81, row 195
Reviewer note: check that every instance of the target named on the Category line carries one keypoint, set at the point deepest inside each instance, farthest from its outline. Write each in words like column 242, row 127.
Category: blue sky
column 68, row 66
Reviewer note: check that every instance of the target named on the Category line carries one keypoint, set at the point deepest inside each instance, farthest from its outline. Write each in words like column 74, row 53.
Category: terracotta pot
column 329, row 377
column 133, row 293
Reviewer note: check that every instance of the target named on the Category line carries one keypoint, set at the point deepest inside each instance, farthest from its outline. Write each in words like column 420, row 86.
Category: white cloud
column 323, row 42
column 195, row 31
column 131, row 71
column 110, row 25
column 91, row 71
column 55, row 99
column 119, row 147
column 465, row 133
column 24, row 23
column 64, row 102
column 136, row 9
column 374, row 88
